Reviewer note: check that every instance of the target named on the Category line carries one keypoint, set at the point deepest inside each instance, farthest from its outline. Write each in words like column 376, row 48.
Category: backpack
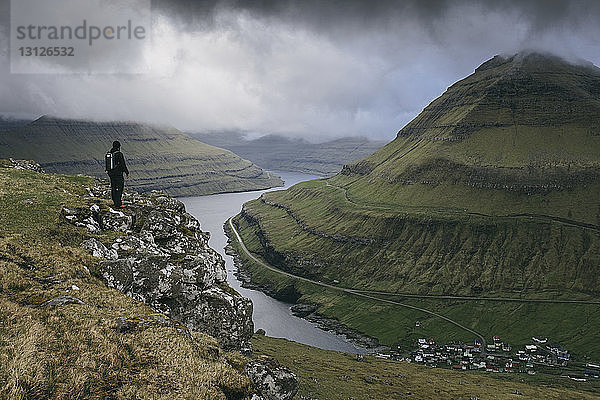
column 109, row 161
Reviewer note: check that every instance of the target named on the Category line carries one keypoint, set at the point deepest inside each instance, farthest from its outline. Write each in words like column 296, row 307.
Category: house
column 532, row 348
column 506, row 347
column 559, row 351
column 592, row 373
column 538, row 340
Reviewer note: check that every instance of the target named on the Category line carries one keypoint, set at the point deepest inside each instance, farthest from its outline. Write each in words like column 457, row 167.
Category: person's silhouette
column 117, row 182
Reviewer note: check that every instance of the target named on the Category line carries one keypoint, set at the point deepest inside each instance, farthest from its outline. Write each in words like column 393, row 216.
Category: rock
column 302, row 310
column 140, row 244
column 82, row 217
column 63, row 301
column 371, row 379
column 260, row 332
column 118, row 274
column 24, row 164
column 97, row 249
column 224, row 314
column 162, row 200
column 162, row 223
column 272, row 380
column 117, row 221
column 163, row 259
column 125, row 325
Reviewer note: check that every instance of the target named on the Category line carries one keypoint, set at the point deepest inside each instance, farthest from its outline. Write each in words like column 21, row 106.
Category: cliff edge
column 105, row 303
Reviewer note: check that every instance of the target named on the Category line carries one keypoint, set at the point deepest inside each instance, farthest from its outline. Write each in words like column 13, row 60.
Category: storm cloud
column 314, row 69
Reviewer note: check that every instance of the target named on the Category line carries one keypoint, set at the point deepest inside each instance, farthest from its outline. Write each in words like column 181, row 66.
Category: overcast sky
column 313, row 69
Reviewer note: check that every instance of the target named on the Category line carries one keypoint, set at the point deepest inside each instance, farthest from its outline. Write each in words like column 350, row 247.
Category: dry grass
column 75, row 351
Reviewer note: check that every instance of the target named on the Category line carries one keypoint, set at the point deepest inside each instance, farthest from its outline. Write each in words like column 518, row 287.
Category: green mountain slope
column 493, row 190
column 279, row 153
column 159, row 158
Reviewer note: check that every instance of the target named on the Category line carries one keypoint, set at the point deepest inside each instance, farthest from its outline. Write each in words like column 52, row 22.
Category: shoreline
column 305, row 311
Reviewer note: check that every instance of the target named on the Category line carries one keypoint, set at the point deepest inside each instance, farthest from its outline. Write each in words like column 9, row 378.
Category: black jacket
column 120, row 165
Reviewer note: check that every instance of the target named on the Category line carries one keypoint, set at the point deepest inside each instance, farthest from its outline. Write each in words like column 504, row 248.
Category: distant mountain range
column 158, row 157
column 492, row 190
column 279, row 153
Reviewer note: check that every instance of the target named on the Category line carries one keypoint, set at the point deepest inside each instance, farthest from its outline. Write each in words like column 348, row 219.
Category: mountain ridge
column 279, row 153
column 160, row 158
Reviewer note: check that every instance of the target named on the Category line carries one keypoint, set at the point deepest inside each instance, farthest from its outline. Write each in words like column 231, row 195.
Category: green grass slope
column 158, row 157
column 75, row 351
column 492, row 190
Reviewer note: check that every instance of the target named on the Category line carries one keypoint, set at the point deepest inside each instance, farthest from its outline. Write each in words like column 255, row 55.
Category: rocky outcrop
column 160, row 256
column 21, row 164
column 272, row 380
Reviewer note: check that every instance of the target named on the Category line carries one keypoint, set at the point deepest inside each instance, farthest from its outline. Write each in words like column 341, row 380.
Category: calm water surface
column 269, row 314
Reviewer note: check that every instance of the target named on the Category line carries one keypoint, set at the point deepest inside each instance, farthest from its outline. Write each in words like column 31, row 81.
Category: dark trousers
column 116, row 189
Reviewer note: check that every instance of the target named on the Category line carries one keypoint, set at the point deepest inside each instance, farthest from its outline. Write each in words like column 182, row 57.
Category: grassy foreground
column 328, row 375
column 74, row 351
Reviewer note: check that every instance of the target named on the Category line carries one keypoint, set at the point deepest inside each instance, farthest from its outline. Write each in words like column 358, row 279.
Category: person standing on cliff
column 115, row 167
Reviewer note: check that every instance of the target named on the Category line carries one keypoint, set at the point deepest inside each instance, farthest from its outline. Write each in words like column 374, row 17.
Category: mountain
column 159, row 157
column 279, row 153
column 493, row 190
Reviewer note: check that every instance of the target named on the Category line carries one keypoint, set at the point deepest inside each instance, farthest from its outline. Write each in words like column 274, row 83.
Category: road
column 392, row 207
column 353, row 291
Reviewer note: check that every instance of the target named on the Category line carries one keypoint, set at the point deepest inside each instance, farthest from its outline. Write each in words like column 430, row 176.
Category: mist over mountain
column 312, row 69
column 280, row 153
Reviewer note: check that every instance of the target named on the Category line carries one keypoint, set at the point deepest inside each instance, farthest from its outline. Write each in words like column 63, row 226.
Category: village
column 539, row 356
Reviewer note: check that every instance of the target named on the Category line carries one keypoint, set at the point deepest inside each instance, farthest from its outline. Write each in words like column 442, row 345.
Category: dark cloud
column 307, row 68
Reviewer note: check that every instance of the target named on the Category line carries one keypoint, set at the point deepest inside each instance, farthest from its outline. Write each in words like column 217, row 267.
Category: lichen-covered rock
column 118, row 274
column 163, row 259
column 23, row 164
column 97, row 249
column 117, row 221
column 272, row 380
column 84, row 217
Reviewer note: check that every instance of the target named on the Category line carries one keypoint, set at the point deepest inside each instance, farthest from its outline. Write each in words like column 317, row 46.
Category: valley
column 484, row 210
column 280, row 153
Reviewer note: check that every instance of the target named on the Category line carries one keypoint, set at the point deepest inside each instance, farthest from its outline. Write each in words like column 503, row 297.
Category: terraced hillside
column 493, row 190
column 158, row 157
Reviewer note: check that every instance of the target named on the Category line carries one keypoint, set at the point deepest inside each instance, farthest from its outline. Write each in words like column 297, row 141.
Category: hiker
column 115, row 166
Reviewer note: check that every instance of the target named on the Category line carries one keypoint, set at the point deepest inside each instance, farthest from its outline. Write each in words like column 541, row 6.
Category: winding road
column 352, row 291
